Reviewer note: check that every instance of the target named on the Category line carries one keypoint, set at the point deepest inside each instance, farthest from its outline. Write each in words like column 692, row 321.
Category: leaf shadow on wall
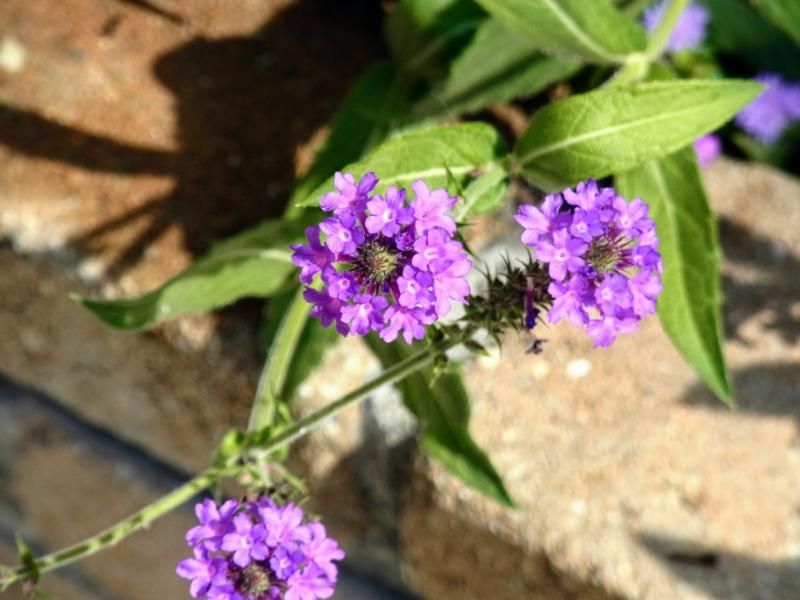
column 759, row 276
column 717, row 573
column 244, row 105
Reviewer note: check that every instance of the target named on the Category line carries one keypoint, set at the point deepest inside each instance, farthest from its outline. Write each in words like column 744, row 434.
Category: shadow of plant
column 244, row 105
column 772, row 283
column 725, row 575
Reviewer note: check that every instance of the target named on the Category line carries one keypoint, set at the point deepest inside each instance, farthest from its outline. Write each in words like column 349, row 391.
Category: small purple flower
column 215, row 522
column 690, row 29
column 645, row 288
column 613, row 293
column 708, row 148
column 631, row 217
column 323, row 549
column 344, row 236
column 246, row 542
column 387, row 214
column 268, row 553
column 570, row 300
column 326, row 308
column 411, row 321
column 309, row 584
column 341, row 286
column 451, row 284
column 563, row 254
column 775, row 108
column 537, row 222
column 414, row 287
column 366, row 314
column 203, row 570
column 586, row 225
column 384, row 266
column 284, row 561
column 606, row 329
column 312, row 258
column 349, row 196
column 602, row 256
column 432, row 208
column 436, row 250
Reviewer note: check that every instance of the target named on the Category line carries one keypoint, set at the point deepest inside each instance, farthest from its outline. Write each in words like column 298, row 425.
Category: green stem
column 637, row 65
column 172, row 500
column 279, row 360
column 112, row 535
column 659, row 38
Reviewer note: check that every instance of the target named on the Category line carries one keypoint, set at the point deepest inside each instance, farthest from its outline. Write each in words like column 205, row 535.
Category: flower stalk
column 155, row 510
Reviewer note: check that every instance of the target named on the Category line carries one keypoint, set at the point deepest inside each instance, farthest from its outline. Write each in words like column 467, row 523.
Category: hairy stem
column 660, row 36
column 279, row 360
column 175, row 498
column 637, row 65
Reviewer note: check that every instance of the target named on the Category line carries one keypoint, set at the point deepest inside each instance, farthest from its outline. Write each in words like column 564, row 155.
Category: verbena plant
column 385, row 259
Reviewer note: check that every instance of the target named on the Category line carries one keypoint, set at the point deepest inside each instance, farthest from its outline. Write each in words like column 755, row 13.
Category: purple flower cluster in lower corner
column 602, row 257
column 385, row 265
column 777, row 107
column 259, row 551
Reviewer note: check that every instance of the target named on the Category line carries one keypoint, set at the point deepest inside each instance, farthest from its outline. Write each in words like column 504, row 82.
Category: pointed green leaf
column 593, row 30
column 420, row 33
column 613, row 130
column 443, row 412
column 497, row 65
column 783, row 13
column 437, row 154
column 255, row 263
column 484, row 194
column 689, row 306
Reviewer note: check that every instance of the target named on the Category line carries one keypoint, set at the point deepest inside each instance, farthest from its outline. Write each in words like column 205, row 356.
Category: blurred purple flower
column 708, row 148
column 775, row 108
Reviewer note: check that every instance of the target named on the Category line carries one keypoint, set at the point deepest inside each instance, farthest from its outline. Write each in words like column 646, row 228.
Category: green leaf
column 312, row 345
column 255, row 263
column 422, row 32
column 615, row 129
column 736, row 30
column 439, row 155
column 363, row 120
column 229, row 449
column 783, row 13
column 443, row 412
column 593, row 30
column 27, row 560
column 484, row 194
column 689, row 306
column 498, row 65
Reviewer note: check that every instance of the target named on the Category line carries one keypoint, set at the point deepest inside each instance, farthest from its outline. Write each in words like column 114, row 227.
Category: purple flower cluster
column 689, row 31
column 777, row 107
column 602, row 256
column 708, row 148
column 385, row 265
column 258, row 551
